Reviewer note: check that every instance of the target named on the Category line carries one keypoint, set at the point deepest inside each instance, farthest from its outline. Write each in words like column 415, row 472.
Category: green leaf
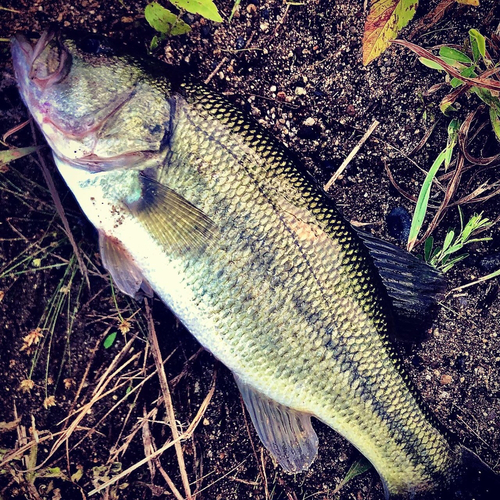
column 14, row 154
column 164, row 21
column 455, row 82
column 154, row 43
column 453, row 261
column 495, row 122
column 423, row 201
column 385, row 19
column 109, row 340
column 453, row 129
column 435, row 253
column 454, row 55
column 233, row 10
column 448, row 239
column 477, row 43
column 77, row 475
column 429, row 243
column 455, row 248
column 430, row 64
column 359, row 467
column 469, row 72
column 205, row 8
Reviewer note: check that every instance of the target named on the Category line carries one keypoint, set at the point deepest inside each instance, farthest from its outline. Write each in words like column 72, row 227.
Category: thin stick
column 166, row 446
column 494, row 274
column 214, row 72
column 60, row 210
column 355, row 150
column 155, row 349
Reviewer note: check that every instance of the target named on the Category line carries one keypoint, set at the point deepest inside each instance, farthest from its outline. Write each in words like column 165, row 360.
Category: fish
column 194, row 201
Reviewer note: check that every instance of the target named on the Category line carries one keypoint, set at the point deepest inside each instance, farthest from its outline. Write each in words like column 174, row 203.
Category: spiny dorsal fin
column 125, row 273
column 286, row 433
column 172, row 220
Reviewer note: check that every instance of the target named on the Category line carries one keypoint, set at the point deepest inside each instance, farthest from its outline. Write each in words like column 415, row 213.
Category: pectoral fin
column 125, row 273
column 172, row 220
column 286, row 433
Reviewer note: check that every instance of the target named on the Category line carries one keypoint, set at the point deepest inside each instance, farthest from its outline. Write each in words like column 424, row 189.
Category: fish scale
column 359, row 344
column 223, row 223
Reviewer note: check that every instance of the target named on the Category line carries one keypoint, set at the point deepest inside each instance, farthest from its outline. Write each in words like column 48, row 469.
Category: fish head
column 98, row 107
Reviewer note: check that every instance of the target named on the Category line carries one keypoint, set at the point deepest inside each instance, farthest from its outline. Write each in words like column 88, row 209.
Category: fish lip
column 95, row 164
column 23, row 48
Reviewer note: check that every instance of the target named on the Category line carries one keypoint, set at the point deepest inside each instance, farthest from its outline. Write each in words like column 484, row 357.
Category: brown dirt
column 314, row 47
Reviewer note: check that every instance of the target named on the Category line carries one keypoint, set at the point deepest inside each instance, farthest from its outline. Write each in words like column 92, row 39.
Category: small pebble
column 240, row 43
column 446, row 379
column 300, row 91
column 490, row 263
column 399, row 223
column 205, row 30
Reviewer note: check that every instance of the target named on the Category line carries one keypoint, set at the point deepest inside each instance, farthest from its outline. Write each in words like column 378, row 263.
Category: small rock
column 240, row 42
column 300, row 91
column 446, row 379
column 273, row 88
column 251, row 8
column 309, row 122
column 490, row 263
column 399, row 223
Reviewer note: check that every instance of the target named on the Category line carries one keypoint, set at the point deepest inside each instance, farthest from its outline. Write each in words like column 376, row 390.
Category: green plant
column 357, row 468
column 167, row 23
column 467, row 71
column 423, row 197
column 443, row 257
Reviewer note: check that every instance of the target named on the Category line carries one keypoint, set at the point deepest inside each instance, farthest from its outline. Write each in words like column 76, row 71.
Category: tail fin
column 478, row 481
column 472, row 479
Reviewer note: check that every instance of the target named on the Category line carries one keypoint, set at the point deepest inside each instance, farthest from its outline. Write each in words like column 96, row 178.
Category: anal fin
column 124, row 271
column 286, row 433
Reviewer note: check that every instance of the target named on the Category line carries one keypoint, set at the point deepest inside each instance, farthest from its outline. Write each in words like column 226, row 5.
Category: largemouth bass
column 194, row 201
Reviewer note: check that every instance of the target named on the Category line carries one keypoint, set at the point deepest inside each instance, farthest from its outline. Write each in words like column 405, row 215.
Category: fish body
column 194, row 201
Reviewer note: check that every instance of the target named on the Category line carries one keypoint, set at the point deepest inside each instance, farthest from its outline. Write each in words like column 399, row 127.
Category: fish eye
column 93, row 45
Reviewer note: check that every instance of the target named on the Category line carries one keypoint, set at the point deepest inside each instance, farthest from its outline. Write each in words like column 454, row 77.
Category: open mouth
column 50, row 69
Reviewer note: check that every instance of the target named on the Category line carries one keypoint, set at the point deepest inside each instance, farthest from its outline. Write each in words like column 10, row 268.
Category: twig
column 214, row 72
column 166, row 446
column 396, row 186
column 15, row 129
column 355, row 150
column 494, row 274
column 155, row 349
column 60, row 211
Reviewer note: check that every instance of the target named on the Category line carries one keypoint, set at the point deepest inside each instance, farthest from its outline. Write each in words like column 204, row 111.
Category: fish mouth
column 39, row 66
column 42, row 73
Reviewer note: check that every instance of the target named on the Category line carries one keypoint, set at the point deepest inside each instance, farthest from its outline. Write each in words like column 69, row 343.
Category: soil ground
column 297, row 69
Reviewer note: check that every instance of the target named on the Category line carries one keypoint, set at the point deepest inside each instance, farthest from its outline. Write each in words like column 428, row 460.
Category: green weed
column 467, row 71
column 169, row 24
column 444, row 257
